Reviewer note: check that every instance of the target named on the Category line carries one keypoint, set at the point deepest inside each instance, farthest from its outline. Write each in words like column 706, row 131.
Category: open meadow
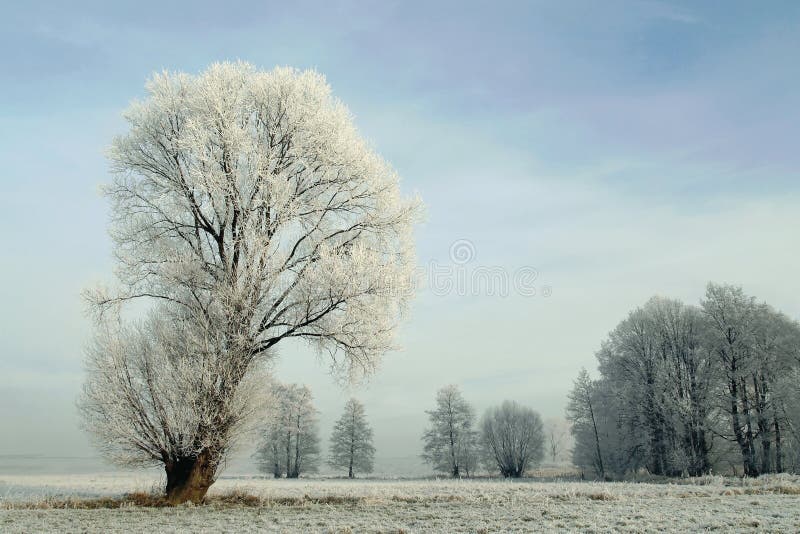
column 112, row 503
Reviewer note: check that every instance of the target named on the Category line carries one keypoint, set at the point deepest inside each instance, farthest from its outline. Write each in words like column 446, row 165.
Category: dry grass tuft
column 232, row 499
column 306, row 500
column 412, row 499
column 761, row 490
column 598, row 496
column 140, row 499
column 787, row 490
column 236, row 498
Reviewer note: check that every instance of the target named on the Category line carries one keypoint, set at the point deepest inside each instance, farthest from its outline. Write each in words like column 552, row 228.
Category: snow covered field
column 769, row 504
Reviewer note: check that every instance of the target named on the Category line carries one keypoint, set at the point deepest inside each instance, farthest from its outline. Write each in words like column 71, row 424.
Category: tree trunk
column 296, row 472
column 352, row 446
column 766, row 455
column 700, row 461
column 751, row 466
column 745, row 445
column 761, row 390
column 601, row 469
column 453, row 461
column 289, row 454
column 352, row 456
column 778, row 451
column 189, row 478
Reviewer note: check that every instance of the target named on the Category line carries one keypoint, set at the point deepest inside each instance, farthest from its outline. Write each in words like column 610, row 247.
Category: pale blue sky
column 622, row 148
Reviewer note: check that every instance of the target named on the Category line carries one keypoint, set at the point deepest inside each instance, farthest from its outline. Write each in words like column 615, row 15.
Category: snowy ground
column 712, row 503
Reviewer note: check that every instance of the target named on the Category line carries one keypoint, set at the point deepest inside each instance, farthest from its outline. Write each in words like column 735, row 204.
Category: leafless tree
column 513, row 436
column 678, row 382
column 557, row 433
column 149, row 395
column 351, row 441
column 450, row 440
column 290, row 442
column 582, row 412
column 658, row 377
column 246, row 203
column 755, row 348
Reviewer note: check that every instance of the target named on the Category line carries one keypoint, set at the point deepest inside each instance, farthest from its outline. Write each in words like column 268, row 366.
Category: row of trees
column 290, row 444
column 509, row 438
column 686, row 389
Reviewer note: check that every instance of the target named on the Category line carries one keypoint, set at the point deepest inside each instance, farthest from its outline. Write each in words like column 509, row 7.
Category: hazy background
column 621, row 148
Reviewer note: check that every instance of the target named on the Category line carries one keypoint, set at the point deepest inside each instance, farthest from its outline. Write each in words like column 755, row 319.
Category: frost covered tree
column 754, row 347
column 248, row 206
column 450, row 441
column 290, row 442
column 732, row 315
column 513, row 437
column 301, row 441
column 583, row 413
column 149, row 397
column 776, row 347
column 657, row 376
column 351, row 441
column 677, row 380
column 557, row 433
column 269, row 455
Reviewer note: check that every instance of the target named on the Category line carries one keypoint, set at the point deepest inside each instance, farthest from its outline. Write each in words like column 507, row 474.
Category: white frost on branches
column 513, row 437
column 451, row 443
column 150, row 392
column 290, row 438
column 247, row 205
column 351, row 441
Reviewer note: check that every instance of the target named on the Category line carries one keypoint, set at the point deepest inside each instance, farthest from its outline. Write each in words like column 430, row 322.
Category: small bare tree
column 513, row 437
column 556, row 438
column 351, row 441
column 582, row 412
column 247, row 204
column 290, row 442
column 450, row 440
column 269, row 456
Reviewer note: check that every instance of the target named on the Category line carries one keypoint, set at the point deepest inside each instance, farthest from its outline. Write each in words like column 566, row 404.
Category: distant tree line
column 684, row 390
column 509, row 439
